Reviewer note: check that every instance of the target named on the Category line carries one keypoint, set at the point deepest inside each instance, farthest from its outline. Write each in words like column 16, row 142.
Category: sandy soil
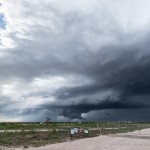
column 123, row 141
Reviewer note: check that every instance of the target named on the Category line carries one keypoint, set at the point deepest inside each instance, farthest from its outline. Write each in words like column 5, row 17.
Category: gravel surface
column 123, row 141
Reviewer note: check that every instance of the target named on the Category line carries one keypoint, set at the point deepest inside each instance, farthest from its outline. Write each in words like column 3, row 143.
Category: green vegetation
column 36, row 134
column 31, row 138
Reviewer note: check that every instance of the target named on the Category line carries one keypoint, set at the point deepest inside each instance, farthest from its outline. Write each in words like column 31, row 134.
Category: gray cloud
column 73, row 61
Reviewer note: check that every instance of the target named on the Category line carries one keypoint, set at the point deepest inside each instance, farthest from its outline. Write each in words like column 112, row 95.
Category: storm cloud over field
column 75, row 60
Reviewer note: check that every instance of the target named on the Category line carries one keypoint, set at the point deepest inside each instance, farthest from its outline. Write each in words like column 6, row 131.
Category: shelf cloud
column 74, row 60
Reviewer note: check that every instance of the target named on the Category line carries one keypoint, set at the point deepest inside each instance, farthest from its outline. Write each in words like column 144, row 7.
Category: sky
column 75, row 60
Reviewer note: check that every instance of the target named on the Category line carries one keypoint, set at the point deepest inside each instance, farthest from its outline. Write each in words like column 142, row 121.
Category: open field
column 35, row 134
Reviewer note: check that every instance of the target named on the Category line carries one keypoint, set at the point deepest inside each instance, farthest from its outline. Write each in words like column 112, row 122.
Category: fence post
column 99, row 129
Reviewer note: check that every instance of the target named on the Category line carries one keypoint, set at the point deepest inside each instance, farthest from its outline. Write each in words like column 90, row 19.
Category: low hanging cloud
column 81, row 60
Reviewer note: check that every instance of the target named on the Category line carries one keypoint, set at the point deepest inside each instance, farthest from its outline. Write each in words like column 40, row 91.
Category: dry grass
column 32, row 138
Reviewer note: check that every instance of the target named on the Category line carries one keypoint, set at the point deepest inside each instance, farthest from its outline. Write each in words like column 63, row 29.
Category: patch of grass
column 29, row 138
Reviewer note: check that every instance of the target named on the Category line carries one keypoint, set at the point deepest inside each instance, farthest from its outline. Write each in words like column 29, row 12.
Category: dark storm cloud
column 128, row 72
column 65, row 93
column 75, row 110
column 127, row 69
column 108, row 58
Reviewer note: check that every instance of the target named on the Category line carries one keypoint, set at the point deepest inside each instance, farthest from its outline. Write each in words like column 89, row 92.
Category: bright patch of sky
column 2, row 22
